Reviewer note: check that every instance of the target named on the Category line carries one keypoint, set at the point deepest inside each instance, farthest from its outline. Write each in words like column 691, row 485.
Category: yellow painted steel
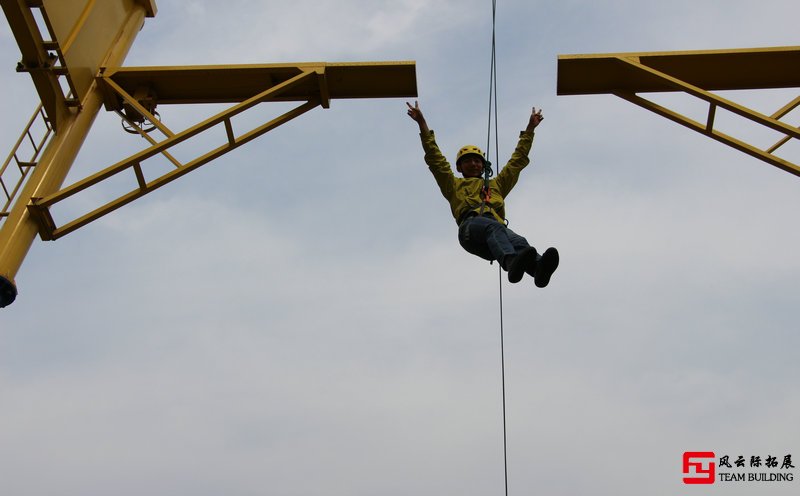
column 79, row 29
column 37, row 139
column 40, row 206
column 37, row 60
column 78, row 34
column 236, row 83
column 712, row 70
column 696, row 73
column 20, row 229
column 84, row 30
column 313, row 83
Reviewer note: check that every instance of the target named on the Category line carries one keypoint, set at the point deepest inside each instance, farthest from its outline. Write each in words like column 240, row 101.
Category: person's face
column 471, row 165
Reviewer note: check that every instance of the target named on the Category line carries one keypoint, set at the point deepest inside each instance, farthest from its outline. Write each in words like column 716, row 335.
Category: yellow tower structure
column 699, row 74
column 74, row 50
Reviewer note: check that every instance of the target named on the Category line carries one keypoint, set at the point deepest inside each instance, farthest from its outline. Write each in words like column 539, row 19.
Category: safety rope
column 486, row 194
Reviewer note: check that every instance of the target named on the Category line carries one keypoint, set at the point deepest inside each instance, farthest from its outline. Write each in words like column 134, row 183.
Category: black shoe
column 548, row 264
column 517, row 266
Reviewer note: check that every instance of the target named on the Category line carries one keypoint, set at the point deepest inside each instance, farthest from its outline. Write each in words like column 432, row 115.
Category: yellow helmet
column 469, row 150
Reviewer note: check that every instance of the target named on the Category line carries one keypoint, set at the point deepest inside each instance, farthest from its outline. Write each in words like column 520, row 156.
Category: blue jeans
column 485, row 237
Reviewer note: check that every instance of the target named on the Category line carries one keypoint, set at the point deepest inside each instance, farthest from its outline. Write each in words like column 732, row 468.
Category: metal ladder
column 15, row 170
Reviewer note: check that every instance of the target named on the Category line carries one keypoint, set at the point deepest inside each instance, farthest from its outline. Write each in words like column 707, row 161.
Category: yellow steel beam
column 696, row 73
column 39, row 207
column 777, row 115
column 19, row 229
column 712, row 70
column 74, row 44
column 130, row 100
column 86, row 42
column 716, row 101
column 36, row 60
column 313, row 83
column 765, row 155
column 236, row 83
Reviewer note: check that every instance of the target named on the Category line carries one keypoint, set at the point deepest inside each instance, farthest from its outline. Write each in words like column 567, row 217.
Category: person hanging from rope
column 478, row 203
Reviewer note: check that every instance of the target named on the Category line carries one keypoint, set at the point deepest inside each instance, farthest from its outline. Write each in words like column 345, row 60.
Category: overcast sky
column 298, row 318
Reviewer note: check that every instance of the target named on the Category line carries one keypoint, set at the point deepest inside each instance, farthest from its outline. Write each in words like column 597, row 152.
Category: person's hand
column 416, row 114
column 535, row 120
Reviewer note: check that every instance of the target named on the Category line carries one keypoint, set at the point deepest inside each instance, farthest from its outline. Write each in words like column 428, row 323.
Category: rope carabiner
column 486, row 191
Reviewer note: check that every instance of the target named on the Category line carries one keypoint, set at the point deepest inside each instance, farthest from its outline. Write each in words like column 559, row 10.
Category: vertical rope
column 493, row 106
column 503, row 380
column 492, row 89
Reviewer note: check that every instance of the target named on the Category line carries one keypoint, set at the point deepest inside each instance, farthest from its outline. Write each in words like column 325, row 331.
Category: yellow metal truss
column 73, row 51
column 698, row 74
column 76, row 38
column 313, row 84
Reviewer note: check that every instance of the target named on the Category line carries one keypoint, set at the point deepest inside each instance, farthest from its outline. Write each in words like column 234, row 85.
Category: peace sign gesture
column 535, row 120
column 416, row 114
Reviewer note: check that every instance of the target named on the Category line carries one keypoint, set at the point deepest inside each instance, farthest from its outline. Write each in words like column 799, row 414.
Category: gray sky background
column 297, row 317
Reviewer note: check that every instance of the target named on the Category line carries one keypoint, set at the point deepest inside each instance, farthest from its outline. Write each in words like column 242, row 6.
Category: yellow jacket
column 464, row 193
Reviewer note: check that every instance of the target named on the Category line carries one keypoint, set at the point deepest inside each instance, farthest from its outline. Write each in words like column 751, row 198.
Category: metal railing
column 15, row 169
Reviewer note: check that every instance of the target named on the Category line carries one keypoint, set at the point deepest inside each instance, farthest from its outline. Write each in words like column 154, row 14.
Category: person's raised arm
column 416, row 114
